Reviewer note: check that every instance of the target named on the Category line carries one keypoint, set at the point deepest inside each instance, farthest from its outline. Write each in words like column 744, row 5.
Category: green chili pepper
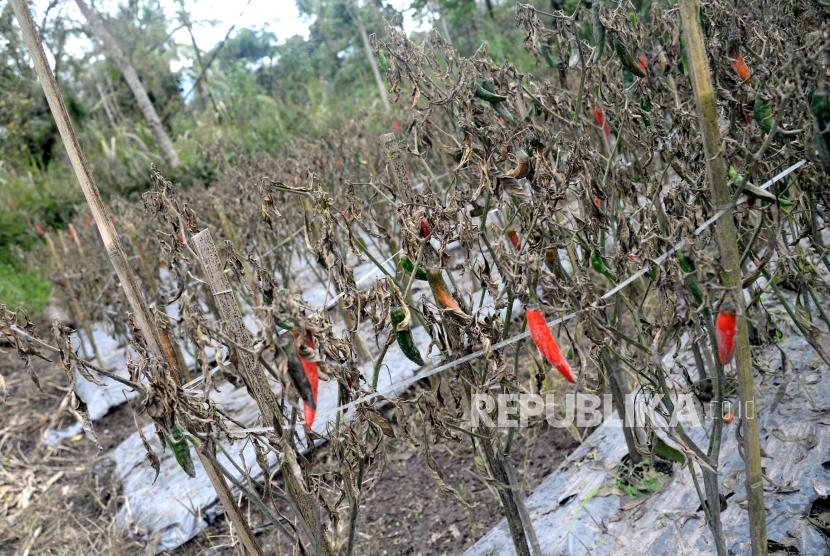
column 407, row 265
column 599, row 266
column 628, row 82
column 404, row 337
column 820, row 107
column 285, row 325
column 626, row 59
column 667, row 452
column 599, row 32
column 547, row 54
column 503, row 112
column 484, row 92
column 687, row 266
column 756, row 192
column 684, row 62
column 178, row 444
column 762, row 113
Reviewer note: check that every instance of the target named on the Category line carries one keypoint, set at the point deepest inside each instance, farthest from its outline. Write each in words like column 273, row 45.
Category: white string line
column 428, row 372
column 682, row 243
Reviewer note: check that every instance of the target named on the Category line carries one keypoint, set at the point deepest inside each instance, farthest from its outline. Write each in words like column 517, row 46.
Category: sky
column 212, row 19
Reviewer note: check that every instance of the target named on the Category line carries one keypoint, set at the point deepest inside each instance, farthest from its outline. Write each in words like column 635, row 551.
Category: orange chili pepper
column 725, row 327
column 544, row 340
column 38, row 229
column 739, row 64
column 443, row 297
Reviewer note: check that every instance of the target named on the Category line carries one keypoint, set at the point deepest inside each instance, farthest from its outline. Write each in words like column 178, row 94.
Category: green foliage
column 258, row 96
column 21, row 288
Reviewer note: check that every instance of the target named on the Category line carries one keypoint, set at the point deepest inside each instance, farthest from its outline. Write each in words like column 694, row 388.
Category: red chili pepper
column 396, row 126
column 72, row 232
column 426, row 229
column 542, row 337
column 740, row 67
column 642, row 63
column 311, row 371
column 599, row 118
column 513, row 236
column 38, row 229
column 725, row 326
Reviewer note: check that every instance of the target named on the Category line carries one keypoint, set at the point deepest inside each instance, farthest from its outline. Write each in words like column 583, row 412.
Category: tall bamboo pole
column 231, row 315
column 730, row 261
column 115, row 251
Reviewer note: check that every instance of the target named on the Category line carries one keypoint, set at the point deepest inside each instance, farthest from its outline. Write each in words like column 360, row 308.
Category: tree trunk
column 201, row 84
column 355, row 10
column 146, row 107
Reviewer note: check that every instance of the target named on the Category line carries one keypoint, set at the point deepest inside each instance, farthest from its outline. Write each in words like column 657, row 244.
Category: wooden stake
column 730, row 261
column 109, row 236
column 250, row 369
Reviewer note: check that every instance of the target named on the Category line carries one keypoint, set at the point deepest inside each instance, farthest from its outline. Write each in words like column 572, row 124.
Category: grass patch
column 22, row 289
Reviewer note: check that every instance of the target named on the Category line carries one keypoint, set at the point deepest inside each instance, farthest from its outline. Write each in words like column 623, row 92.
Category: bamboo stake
column 112, row 244
column 730, row 260
column 226, row 303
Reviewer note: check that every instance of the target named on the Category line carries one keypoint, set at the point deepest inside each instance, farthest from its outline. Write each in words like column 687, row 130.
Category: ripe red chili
column 38, row 229
column 599, row 118
column 642, row 63
column 725, row 326
column 426, row 229
column 311, row 371
column 542, row 337
column 513, row 236
column 72, row 232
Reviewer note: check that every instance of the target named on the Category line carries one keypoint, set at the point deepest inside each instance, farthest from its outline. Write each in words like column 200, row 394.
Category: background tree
column 145, row 105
